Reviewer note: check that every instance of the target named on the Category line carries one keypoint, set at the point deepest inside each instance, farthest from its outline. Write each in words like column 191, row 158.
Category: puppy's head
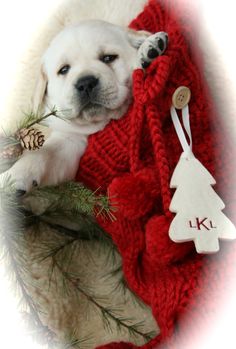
column 87, row 71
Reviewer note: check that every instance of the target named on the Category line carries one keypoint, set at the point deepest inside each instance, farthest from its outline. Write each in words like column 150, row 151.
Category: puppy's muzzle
column 87, row 88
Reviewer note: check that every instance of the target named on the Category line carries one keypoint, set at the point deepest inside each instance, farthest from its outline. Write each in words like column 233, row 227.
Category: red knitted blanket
column 133, row 159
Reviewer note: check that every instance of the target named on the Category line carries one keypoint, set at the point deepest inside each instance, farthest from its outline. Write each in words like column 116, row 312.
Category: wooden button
column 181, row 97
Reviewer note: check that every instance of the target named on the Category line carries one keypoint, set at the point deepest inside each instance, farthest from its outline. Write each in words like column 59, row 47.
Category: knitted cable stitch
column 133, row 158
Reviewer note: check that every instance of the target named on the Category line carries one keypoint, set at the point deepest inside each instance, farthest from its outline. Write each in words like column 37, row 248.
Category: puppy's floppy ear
column 40, row 89
column 136, row 38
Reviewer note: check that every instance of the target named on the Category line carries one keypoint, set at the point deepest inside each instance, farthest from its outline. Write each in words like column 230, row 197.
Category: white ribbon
column 179, row 129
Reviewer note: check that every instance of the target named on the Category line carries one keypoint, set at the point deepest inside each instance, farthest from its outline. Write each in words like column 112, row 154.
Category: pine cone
column 11, row 152
column 30, row 138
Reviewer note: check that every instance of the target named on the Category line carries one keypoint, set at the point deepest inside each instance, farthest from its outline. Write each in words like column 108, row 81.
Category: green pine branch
column 8, row 140
column 33, row 118
column 73, row 342
column 30, row 119
column 108, row 313
column 73, row 197
column 76, row 205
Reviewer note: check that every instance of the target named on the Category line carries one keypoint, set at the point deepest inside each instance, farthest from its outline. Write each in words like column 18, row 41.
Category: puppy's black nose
column 86, row 84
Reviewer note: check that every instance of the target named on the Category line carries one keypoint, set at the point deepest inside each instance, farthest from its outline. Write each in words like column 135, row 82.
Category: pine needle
column 80, row 204
column 73, row 342
column 108, row 314
column 32, row 118
column 74, row 197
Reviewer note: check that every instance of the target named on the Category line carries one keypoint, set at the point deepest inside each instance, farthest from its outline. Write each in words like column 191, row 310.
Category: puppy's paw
column 25, row 175
column 23, row 181
column 154, row 46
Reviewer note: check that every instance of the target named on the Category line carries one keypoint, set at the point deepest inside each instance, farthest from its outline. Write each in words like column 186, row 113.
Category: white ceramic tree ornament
column 198, row 208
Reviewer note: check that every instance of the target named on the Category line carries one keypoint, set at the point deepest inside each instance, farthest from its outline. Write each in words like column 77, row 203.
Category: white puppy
column 86, row 74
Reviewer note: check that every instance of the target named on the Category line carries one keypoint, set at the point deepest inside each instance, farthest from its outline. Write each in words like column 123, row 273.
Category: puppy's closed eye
column 64, row 70
column 108, row 58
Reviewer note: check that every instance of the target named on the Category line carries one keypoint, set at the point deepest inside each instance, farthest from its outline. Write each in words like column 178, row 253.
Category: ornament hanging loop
column 187, row 146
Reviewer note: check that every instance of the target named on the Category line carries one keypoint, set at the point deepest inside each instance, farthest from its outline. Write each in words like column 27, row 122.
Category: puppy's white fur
column 80, row 47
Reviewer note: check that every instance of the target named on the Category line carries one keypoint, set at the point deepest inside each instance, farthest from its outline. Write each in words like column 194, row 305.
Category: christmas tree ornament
column 198, row 208
column 30, row 138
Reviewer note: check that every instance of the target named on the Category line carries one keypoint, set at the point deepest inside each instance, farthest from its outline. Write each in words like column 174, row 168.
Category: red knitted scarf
column 133, row 158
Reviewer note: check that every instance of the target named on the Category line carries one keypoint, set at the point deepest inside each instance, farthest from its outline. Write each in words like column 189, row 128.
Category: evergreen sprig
column 8, row 140
column 32, row 118
column 73, row 197
column 109, row 314
column 72, row 342
column 69, row 210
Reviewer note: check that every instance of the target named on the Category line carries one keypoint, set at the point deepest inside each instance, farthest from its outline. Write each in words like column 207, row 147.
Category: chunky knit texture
column 133, row 158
